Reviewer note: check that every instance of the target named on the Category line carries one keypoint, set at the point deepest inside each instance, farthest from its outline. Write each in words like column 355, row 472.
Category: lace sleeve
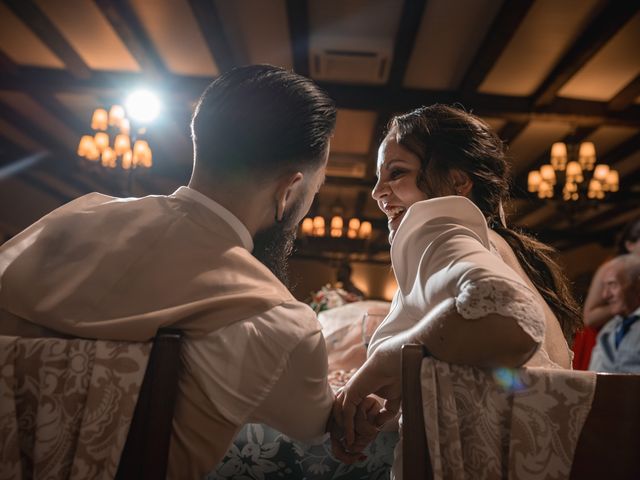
column 506, row 298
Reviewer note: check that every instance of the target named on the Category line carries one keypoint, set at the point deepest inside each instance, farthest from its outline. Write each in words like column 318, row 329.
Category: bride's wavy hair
column 446, row 138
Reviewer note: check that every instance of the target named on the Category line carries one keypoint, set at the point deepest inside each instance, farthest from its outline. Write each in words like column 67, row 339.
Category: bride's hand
column 380, row 375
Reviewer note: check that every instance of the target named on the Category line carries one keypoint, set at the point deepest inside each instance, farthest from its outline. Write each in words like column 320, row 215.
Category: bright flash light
column 143, row 106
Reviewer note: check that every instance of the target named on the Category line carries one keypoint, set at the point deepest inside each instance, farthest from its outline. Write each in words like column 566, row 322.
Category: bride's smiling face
column 397, row 189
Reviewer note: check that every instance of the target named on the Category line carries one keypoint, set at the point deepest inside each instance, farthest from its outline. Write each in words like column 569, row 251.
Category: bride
column 470, row 289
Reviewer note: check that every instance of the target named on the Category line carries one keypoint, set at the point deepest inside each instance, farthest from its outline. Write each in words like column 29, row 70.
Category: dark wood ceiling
column 538, row 71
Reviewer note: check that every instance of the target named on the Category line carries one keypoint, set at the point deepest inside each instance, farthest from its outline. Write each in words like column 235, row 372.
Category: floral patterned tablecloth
column 262, row 453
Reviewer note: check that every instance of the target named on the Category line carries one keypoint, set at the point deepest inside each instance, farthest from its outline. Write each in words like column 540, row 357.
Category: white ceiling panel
column 611, row 69
column 257, row 30
column 450, row 34
column 177, row 36
column 545, row 34
column 609, row 136
column 28, row 107
column 22, row 45
column 90, row 34
column 354, row 129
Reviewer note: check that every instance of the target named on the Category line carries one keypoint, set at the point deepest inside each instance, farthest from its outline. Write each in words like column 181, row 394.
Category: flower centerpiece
column 331, row 296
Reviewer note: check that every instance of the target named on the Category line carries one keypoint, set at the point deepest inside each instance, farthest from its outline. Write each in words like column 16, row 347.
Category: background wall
column 375, row 280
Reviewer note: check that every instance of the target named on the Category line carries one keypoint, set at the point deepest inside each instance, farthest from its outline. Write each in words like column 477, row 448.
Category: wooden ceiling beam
column 502, row 29
column 7, row 65
column 61, row 112
column 627, row 96
column 298, row 19
column 44, row 29
column 182, row 88
column 32, row 130
column 604, row 25
column 129, row 28
column 210, row 23
column 511, row 131
column 408, row 27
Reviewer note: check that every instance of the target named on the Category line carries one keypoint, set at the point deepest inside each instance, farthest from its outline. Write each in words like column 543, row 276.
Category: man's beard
column 273, row 246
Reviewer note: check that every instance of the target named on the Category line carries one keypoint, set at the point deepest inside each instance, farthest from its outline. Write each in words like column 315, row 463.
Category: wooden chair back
column 146, row 451
column 608, row 446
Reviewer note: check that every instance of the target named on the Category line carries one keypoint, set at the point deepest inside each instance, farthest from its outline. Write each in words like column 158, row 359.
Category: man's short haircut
column 261, row 119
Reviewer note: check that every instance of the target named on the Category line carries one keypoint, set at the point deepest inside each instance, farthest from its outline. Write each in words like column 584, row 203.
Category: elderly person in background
column 618, row 343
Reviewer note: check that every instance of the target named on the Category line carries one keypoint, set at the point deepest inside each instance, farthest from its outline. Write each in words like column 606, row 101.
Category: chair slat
column 145, row 454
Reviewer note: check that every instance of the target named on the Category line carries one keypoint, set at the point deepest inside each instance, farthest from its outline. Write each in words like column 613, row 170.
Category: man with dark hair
column 206, row 260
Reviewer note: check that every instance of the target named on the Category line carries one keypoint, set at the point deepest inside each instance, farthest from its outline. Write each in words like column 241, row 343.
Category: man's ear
column 461, row 182
column 286, row 187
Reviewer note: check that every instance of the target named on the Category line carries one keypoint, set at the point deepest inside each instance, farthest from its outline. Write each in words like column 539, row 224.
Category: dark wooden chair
column 608, row 446
column 146, row 451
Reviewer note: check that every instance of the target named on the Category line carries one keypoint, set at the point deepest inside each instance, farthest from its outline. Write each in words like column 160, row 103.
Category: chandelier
column 573, row 168
column 114, row 125
column 316, row 227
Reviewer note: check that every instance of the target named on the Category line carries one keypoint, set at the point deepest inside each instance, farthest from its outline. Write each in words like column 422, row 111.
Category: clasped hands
column 357, row 415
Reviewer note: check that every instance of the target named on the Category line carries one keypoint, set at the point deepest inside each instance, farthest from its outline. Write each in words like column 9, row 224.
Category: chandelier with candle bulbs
column 317, row 227
column 111, row 144
column 573, row 172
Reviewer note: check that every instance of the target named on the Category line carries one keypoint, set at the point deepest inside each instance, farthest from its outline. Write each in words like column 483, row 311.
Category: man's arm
column 300, row 401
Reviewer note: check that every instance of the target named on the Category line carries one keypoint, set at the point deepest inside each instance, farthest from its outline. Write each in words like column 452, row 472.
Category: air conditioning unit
column 349, row 60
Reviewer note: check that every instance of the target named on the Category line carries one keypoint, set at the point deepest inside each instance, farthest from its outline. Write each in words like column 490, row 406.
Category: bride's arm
column 489, row 341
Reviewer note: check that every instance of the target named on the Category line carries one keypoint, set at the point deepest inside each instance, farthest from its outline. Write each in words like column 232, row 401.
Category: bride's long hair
column 446, row 138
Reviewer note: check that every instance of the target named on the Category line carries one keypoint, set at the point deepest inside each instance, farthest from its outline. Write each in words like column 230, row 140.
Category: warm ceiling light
column 365, row 230
column 548, row 174
column 127, row 161
column 108, row 157
column 86, row 145
column 116, row 115
column 559, row 156
column 534, row 180
column 122, row 144
column 307, row 226
column 569, row 166
column 115, row 125
column 102, row 141
column 99, row 120
column 587, row 155
column 143, row 106
column 601, row 172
